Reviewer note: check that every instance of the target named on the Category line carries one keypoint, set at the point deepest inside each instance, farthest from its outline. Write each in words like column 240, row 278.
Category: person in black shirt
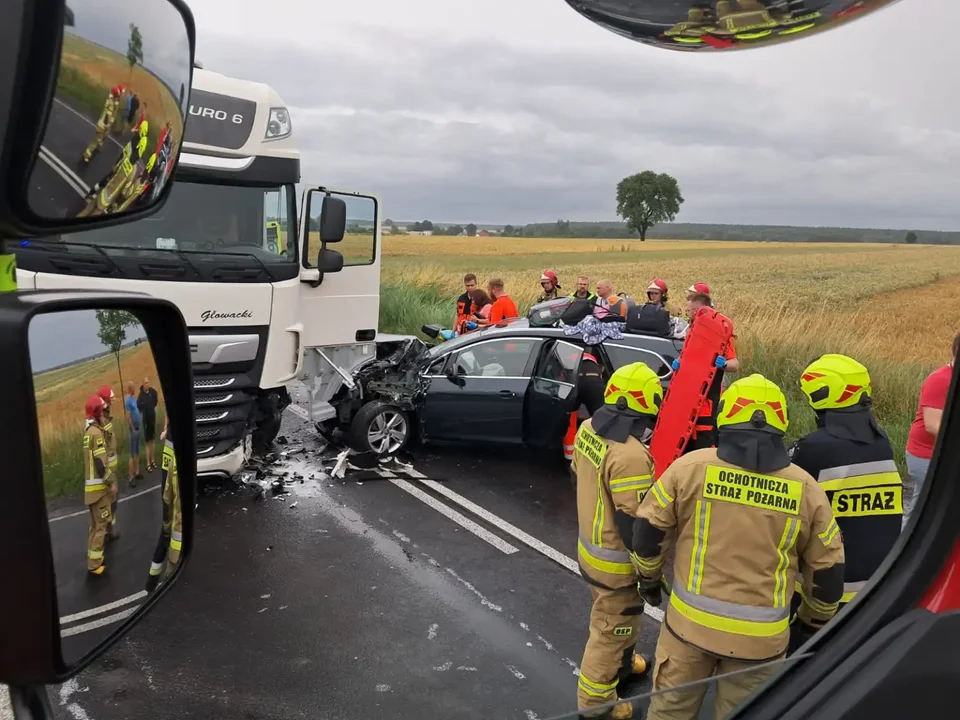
column 465, row 307
column 147, row 403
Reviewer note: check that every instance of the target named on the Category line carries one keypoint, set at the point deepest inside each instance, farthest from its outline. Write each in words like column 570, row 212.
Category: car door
column 552, row 395
column 479, row 395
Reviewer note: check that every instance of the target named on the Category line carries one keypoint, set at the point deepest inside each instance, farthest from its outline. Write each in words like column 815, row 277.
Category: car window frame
column 528, row 366
column 634, row 348
column 544, row 356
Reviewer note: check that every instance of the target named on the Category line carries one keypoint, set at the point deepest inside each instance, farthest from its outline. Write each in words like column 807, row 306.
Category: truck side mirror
column 74, row 362
column 94, row 122
column 330, row 261
column 333, row 219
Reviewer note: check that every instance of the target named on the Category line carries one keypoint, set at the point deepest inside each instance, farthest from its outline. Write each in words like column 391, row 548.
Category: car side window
column 561, row 363
column 497, row 358
column 436, row 367
column 621, row 355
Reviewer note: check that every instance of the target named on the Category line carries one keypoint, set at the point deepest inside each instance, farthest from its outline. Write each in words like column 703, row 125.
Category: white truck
column 267, row 302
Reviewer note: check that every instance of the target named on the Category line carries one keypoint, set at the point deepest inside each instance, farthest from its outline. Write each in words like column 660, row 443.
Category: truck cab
column 267, row 301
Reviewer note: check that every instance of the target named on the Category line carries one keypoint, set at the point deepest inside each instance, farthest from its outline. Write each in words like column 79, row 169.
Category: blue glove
column 675, row 365
column 721, row 362
column 470, row 325
column 447, row 334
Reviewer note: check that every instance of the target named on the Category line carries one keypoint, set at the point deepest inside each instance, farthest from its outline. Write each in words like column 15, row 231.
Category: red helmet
column 660, row 286
column 106, row 394
column 94, row 407
column 699, row 288
column 551, row 277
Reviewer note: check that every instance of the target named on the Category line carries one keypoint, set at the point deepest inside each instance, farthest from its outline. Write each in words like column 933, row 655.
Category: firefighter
column 590, row 389
column 167, row 553
column 109, row 114
column 657, row 292
column 850, row 457
column 748, row 524
column 614, row 470
column 550, row 284
column 106, row 395
column 96, row 492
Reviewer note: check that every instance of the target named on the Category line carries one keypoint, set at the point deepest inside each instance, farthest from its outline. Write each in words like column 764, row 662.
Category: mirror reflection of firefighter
column 749, row 524
column 166, row 556
column 108, row 116
column 614, row 470
column 850, row 456
column 96, row 491
column 120, row 182
column 107, row 395
column 590, row 389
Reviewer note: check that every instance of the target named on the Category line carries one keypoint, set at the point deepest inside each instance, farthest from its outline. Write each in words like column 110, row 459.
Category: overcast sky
column 519, row 111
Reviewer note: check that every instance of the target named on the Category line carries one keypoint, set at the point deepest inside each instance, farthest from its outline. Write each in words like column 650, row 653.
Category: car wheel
column 380, row 428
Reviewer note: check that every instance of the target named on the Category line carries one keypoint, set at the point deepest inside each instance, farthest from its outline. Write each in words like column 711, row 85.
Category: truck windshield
column 211, row 218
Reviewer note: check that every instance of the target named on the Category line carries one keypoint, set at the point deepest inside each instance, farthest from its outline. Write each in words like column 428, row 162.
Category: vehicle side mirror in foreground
column 330, row 261
column 333, row 219
column 98, row 124
column 96, row 385
column 726, row 25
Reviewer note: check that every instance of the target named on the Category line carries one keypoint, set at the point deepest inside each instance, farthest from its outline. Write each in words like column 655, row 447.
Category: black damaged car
column 511, row 384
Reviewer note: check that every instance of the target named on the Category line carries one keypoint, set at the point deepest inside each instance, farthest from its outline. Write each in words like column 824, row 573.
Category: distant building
column 483, row 233
column 420, row 232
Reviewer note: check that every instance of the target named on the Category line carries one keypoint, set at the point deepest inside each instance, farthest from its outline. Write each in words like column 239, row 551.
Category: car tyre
column 380, row 428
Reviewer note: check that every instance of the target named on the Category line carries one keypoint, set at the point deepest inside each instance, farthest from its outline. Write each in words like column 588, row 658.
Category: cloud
column 540, row 121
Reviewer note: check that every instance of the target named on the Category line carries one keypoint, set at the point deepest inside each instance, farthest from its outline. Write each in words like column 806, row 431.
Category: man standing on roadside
column 504, row 308
column 926, row 427
column 607, row 302
column 583, row 290
column 465, row 307
column 550, row 284
column 147, row 404
column 133, row 433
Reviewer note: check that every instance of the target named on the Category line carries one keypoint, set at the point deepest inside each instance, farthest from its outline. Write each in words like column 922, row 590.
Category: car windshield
column 211, row 218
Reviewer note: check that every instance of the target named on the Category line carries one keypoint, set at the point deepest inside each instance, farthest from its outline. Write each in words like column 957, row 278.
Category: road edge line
column 100, row 609
column 100, row 622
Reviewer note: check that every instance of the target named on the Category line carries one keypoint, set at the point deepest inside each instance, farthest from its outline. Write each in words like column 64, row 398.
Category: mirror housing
column 30, row 653
column 333, row 219
column 330, row 261
column 721, row 25
column 31, row 43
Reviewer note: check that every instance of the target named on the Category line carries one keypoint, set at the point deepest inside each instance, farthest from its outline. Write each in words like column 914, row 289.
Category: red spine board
column 707, row 338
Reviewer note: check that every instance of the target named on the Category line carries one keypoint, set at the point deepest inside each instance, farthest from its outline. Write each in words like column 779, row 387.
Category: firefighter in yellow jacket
column 108, row 116
column 614, row 470
column 107, row 395
column 96, row 490
column 167, row 553
column 748, row 524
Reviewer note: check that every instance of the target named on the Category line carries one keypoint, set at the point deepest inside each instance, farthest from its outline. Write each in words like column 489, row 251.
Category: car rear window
column 621, row 355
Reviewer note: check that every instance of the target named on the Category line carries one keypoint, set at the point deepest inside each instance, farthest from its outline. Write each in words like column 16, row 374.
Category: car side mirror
column 92, row 378
column 96, row 118
column 456, row 376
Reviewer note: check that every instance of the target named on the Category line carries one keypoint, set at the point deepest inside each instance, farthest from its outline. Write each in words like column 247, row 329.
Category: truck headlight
column 278, row 124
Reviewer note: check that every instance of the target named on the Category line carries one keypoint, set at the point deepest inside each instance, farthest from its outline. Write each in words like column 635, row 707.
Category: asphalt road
column 379, row 595
column 90, row 607
column 60, row 178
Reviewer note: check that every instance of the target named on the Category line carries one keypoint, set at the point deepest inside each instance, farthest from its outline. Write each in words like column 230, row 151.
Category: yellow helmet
column 638, row 386
column 832, row 382
column 741, row 402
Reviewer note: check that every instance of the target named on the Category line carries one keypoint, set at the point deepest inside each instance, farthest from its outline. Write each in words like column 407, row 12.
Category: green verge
column 405, row 308
column 89, row 96
column 63, row 459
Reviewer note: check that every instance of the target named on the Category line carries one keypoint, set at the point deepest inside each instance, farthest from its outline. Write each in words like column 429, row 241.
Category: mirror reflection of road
column 90, row 607
column 60, row 179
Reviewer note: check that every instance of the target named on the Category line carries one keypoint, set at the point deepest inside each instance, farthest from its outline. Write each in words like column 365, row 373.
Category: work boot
column 640, row 664
column 621, row 711
column 98, row 572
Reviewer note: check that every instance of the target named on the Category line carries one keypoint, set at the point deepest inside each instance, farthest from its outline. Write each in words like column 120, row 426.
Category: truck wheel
column 379, row 428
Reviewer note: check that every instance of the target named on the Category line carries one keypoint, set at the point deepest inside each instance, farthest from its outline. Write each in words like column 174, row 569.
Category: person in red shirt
column 504, row 308
column 926, row 426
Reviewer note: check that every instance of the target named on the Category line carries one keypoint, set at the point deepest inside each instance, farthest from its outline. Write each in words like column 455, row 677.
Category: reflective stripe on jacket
column 612, row 479
column 94, row 477
column 743, row 539
column 865, row 491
